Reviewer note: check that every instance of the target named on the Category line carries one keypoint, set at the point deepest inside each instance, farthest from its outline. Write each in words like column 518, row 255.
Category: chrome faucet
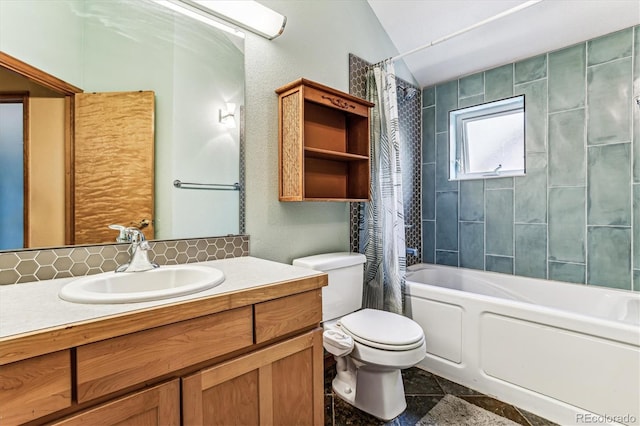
column 139, row 250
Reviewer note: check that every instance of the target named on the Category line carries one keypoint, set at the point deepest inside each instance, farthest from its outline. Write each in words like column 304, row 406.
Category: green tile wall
column 575, row 216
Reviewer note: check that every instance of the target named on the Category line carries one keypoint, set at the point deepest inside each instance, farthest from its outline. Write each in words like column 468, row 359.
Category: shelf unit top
column 315, row 85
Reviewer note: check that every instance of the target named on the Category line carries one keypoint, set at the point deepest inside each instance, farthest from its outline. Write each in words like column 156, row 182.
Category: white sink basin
column 125, row 287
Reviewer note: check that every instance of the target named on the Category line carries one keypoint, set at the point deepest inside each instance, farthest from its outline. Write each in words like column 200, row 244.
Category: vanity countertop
column 34, row 320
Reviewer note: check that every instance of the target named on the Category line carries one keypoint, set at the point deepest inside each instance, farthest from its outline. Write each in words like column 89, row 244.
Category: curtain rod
column 467, row 29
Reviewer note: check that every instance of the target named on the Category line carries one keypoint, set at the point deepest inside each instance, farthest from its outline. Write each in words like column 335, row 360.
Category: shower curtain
column 383, row 238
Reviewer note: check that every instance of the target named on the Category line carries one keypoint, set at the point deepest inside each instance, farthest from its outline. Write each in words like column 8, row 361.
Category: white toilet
column 370, row 346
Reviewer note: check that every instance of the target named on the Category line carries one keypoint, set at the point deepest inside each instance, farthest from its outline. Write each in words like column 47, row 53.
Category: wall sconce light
column 247, row 14
column 228, row 117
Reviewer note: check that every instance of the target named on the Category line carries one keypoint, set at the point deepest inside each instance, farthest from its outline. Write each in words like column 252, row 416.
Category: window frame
column 459, row 143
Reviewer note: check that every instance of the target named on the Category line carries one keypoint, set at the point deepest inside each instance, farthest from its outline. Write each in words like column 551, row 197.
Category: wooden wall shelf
column 333, row 155
column 323, row 144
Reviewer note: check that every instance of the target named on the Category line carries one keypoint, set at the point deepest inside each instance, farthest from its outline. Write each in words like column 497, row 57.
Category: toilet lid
column 382, row 330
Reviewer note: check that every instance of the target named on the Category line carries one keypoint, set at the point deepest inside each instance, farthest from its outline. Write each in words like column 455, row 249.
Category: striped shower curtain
column 382, row 239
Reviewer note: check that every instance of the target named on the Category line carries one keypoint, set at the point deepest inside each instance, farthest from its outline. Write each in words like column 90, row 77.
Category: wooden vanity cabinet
column 323, row 144
column 260, row 363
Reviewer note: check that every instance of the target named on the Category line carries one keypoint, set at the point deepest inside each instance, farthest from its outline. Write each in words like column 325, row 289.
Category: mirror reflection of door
column 12, row 171
column 113, row 164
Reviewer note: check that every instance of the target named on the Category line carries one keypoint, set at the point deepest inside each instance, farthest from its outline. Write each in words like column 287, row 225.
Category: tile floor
column 423, row 390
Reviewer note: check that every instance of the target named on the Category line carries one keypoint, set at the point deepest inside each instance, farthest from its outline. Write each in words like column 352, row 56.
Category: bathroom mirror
column 487, row 140
column 195, row 72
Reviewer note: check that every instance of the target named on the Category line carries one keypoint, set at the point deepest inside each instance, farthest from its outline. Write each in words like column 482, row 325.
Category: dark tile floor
column 423, row 391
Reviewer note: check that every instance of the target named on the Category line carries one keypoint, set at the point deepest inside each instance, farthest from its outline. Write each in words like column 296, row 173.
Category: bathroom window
column 487, row 141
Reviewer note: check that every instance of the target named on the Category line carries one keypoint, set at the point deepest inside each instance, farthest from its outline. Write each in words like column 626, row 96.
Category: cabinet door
column 156, row 406
column 281, row 384
column 35, row 387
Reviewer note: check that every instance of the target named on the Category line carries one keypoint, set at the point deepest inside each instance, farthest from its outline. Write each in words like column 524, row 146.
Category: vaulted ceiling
column 542, row 27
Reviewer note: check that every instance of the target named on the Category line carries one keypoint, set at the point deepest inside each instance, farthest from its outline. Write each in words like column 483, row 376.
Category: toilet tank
column 343, row 295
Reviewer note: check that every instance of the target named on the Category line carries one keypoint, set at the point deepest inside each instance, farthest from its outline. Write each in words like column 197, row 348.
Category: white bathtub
column 567, row 352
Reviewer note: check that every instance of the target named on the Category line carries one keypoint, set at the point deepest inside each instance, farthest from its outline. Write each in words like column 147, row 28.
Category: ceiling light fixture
column 247, row 14
column 183, row 9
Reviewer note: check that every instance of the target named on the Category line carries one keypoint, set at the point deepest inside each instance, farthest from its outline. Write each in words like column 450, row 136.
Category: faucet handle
column 123, row 236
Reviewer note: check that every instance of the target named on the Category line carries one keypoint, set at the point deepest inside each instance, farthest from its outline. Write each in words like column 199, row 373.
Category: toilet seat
column 382, row 330
column 380, row 359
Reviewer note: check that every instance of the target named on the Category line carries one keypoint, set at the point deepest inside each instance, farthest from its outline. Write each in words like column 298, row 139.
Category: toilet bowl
column 370, row 346
column 369, row 376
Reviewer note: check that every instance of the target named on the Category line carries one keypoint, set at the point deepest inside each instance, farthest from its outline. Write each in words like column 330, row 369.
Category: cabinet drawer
column 114, row 364
column 288, row 314
column 35, row 387
column 335, row 101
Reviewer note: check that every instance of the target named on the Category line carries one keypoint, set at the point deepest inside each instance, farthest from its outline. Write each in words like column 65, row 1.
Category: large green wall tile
column 609, row 258
column 531, row 69
column 429, row 191
column 566, row 148
column 535, row 100
column 636, row 226
column 567, row 78
column 531, row 191
column 499, row 222
column 636, row 107
column 498, row 83
column 609, row 97
column 499, row 183
column 567, row 224
column 472, row 200
column 442, row 164
column 609, row 185
column 501, row 264
column 610, row 47
column 446, row 100
column 449, row 258
column 428, row 96
column 471, row 101
column 429, row 135
column 472, row 245
column 471, row 86
column 531, row 250
column 429, row 241
column 447, row 220
column 569, row 272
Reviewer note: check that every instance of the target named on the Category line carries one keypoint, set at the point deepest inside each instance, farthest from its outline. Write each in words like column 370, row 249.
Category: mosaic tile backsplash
column 45, row 264
column 575, row 216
